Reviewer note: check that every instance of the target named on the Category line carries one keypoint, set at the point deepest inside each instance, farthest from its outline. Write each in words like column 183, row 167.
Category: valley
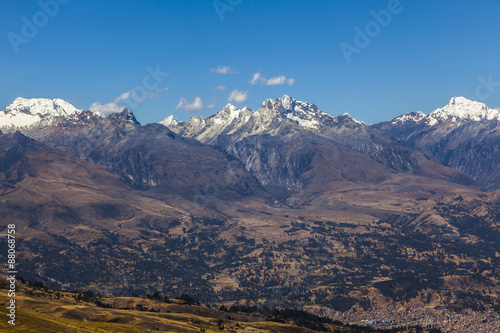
column 284, row 207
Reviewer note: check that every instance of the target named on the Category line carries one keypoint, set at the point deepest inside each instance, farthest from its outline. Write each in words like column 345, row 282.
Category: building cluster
column 388, row 316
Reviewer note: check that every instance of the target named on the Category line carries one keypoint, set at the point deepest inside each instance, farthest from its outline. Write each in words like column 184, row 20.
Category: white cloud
column 221, row 70
column 238, row 96
column 125, row 95
column 280, row 81
column 156, row 93
column 128, row 97
column 210, row 106
column 197, row 105
column 221, row 88
column 106, row 109
column 258, row 78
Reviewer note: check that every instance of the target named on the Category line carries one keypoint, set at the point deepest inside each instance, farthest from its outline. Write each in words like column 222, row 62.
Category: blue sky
column 89, row 52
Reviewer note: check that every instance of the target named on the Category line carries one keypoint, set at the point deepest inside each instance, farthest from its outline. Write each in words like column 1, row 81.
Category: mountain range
column 285, row 205
column 463, row 135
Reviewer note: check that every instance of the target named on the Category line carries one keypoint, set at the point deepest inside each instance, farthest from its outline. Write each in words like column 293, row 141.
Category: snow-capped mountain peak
column 352, row 118
column 461, row 108
column 280, row 105
column 169, row 121
column 457, row 109
column 126, row 115
column 228, row 112
column 229, row 107
column 269, row 118
column 24, row 112
column 303, row 113
column 410, row 117
column 287, row 102
column 42, row 106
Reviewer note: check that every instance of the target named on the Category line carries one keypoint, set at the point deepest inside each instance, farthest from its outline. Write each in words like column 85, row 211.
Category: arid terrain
column 286, row 217
column 44, row 310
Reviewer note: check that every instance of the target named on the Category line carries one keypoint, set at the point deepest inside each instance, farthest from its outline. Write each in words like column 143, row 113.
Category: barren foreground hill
column 43, row 310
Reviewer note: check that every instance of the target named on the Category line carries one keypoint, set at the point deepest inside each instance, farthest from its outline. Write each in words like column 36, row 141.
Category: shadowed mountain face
column 285, row 139
column 464, row 135
column 107, row 204
column 61, row 203
column 150, row 157
column 14, row 166
column 84, row 227
column 300, row 163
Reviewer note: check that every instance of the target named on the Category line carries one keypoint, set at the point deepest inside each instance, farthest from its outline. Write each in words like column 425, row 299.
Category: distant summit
column 272, row 114
column 169, row 121
column 465, row 109
column 24, row 113
column 463, row 134
column 457, row 109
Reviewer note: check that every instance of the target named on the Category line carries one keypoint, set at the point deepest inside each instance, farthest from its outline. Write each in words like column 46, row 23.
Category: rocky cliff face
column 107, row 203
column 472, row 148
column 464, row 135
column 278, row 142
column 149, row 157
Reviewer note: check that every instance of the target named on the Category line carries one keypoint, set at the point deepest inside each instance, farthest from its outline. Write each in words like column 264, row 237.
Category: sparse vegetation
column 62, row 311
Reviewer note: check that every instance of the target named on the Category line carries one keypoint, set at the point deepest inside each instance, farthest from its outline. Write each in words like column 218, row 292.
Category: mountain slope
column 25, row 113
column 149, row 157
column 107, row 204
column 43, row 189
column 464, row 135
column 290, row 130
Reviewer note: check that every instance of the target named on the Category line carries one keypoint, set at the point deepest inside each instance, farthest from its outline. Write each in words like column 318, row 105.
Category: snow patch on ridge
column 465, row 109
column 230, row 119
column 411, row 117
column 457, row 109
column 355, row 120
column 25, row 112
column 169, row 121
